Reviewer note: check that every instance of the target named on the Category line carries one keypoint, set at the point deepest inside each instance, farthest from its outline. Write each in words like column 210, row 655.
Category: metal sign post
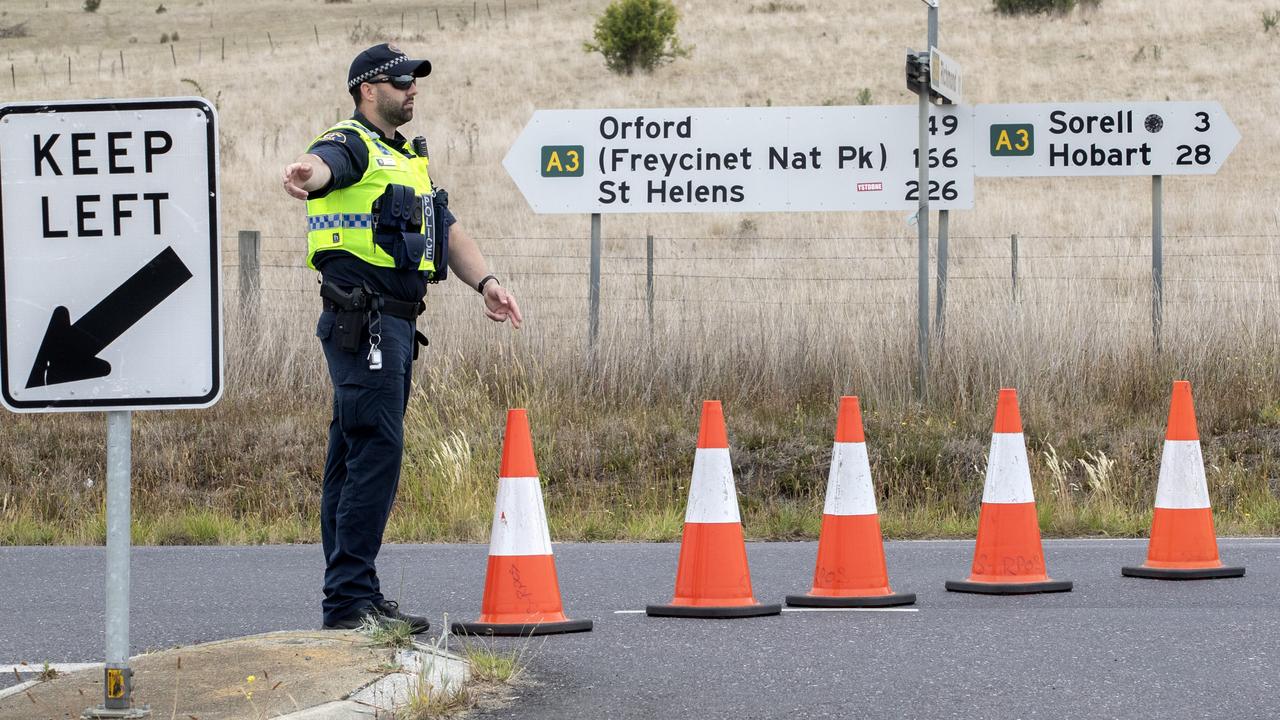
column 922, row 245
column 1157, row 258
column 593, row 311
column 944, row 222
column 118, row 677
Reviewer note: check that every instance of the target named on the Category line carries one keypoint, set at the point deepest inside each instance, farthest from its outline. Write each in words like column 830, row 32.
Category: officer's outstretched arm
column 309, row 172
column 468, row 264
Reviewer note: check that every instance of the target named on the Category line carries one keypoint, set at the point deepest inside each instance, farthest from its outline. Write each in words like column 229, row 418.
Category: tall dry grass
column 775, row 314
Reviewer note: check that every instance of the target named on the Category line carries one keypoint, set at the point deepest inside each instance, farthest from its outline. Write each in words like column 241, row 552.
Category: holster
column 352, row 308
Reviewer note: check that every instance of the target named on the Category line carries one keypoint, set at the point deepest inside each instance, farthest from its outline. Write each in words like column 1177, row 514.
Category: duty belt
column 336, row 299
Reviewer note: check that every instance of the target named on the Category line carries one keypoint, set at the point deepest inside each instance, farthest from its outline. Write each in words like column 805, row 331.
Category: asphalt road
column 1113, row 648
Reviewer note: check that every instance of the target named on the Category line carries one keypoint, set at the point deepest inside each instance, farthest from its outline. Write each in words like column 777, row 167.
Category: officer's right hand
column 295, row 176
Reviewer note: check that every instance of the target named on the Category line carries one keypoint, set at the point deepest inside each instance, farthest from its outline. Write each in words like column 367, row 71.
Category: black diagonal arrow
column 69, row 352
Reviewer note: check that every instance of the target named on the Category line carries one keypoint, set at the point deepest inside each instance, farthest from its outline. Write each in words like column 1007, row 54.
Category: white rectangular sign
column 945, row 76
column 740, row 159
column 1116, row 138
column 110, row 260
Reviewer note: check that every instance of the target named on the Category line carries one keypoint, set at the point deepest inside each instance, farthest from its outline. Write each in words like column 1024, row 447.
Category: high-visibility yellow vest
column 343, row 219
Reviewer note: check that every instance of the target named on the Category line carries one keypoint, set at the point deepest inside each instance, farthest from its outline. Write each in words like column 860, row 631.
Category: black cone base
column 1022, row 588
column 730, row 611
column 851, row 601
column 1142, row 571
column 520, row 629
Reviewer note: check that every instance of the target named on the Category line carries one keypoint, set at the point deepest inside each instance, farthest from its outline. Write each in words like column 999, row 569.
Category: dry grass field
column 775, row 314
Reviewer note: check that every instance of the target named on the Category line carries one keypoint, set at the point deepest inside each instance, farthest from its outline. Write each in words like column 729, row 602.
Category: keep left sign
column 110, row 271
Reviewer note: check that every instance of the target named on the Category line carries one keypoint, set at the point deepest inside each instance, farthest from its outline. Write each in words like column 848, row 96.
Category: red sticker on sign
column 870, row 187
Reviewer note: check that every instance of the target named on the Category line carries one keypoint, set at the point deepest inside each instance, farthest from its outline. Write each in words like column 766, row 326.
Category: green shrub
column 1269, row 19
column 639, row 34
column 92, row 5
column 1035, row 7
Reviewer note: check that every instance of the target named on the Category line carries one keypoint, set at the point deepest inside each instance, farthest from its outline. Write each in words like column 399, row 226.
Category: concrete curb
column 18, row 688
column 443, row 673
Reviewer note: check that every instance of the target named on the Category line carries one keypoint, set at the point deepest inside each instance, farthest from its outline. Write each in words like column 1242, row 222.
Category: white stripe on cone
column 519, row 519
column 1182, row 484
column 1008, row 476
column 849, row 490
column 712, row 498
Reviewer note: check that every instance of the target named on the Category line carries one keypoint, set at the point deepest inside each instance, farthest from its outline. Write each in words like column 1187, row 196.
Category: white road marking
column 850, row 609
column 801, row 610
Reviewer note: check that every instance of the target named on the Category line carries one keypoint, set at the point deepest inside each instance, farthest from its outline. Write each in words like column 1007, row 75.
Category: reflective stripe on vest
column 342, row 219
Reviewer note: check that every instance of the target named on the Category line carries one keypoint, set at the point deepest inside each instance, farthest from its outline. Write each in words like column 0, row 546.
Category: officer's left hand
column 500, row 305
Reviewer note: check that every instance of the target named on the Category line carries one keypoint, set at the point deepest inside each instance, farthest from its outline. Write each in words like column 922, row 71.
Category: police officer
column 378, row 232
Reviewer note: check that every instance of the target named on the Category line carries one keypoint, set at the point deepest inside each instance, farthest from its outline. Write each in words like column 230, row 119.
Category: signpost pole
column 118, row 681
column 1157, row 258
column 593, row 317
column 922, row 227
column 944, row 222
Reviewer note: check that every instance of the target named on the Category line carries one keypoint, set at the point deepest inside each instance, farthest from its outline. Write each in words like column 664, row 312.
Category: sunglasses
column 399, row 82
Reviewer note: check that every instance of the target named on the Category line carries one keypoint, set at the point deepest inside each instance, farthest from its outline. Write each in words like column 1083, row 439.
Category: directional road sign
column 740, row 159
column 1117, row 138
column 110, row 294
column 945, row 76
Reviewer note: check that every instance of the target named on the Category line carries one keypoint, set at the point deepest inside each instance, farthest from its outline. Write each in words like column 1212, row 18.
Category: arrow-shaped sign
column 69, row 352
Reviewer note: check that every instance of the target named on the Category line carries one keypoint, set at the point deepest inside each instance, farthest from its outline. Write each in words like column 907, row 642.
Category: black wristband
column 483, row 281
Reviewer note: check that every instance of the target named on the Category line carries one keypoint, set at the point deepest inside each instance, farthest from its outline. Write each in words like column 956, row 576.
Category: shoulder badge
column 336, row 137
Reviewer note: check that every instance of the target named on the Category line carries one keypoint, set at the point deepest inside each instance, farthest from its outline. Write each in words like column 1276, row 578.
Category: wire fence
column 779, row 275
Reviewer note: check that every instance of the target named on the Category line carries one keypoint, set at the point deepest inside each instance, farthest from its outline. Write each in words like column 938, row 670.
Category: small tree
column 1032, row 7
column 635, row 34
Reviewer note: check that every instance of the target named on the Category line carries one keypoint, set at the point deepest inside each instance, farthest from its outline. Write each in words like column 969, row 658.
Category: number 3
column 1204, row 122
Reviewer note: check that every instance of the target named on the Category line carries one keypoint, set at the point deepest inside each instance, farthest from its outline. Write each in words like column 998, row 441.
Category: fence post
column 1013, row 263
column 648, row 279
column 250, row 274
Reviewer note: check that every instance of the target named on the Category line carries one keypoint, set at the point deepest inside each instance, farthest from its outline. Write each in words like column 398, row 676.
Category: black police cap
column 384, row 59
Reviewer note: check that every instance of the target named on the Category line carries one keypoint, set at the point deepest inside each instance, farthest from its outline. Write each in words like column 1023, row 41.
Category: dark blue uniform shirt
column 347, row 157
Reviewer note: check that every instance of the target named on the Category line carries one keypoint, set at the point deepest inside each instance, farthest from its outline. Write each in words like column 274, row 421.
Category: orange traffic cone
column 521, row 593
column 713, row 580
column 851, row 570
column 1183, row 545
column 1008, row 558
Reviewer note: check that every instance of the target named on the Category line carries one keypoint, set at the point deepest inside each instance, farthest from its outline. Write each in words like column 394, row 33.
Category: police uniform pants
column 362, row 467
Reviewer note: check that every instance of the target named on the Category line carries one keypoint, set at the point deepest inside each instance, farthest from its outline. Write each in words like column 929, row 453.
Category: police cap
column 384, row 59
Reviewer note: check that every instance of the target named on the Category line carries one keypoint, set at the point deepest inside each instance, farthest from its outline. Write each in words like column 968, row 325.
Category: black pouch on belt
column 349, row 329
column 397, row 221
